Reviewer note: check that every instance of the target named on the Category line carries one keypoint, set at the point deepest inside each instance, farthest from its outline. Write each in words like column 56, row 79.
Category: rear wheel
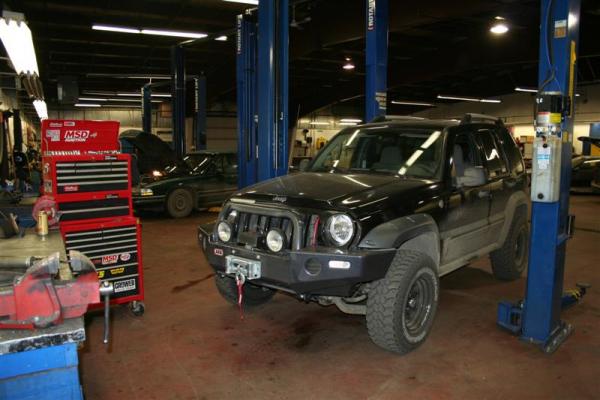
column 252, row 295
column 180, row 203
column 509, row 261
column 401, row 307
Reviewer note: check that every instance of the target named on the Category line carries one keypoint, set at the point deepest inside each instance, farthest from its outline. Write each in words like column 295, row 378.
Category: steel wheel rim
column 180, row 202
column 418, row 304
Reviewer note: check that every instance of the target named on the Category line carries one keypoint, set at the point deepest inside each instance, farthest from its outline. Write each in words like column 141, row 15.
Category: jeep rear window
column 383, row 149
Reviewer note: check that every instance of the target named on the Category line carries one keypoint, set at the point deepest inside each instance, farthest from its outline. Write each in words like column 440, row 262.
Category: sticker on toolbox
column 71, row 188
column 110, row 259
column 118, row 271
column 125, row 256
column 124, row 285
column 53, row 135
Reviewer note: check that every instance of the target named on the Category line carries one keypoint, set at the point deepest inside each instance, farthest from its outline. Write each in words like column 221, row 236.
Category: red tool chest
column 115, row 249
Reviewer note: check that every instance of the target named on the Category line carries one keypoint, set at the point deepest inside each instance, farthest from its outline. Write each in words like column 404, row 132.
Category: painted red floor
column 190, row 344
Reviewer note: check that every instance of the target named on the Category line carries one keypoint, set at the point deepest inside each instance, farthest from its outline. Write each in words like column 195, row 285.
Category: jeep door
column 465, row 228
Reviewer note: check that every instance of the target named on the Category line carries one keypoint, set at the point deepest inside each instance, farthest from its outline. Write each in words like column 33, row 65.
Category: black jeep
column 382, row 212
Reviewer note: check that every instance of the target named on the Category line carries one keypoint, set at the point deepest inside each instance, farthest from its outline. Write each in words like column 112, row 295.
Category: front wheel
column 180, row 203
column 252, row 295
column 401, row 307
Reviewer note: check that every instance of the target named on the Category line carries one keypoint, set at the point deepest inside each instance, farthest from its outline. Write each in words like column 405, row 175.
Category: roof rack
column 384, row 118
column 471, row 118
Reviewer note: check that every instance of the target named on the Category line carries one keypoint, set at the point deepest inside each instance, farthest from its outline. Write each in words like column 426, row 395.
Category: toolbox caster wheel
column 137, row 308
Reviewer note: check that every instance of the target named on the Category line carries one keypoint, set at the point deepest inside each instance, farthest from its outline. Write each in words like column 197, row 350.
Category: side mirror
column 303, row 166
column 474, row 176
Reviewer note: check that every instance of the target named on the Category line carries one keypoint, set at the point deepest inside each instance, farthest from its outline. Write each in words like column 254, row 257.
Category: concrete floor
column 191, row 344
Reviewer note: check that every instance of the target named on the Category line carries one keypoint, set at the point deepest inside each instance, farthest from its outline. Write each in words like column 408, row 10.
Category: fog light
column 275, row 240
column 336, row 264
column 224, row 231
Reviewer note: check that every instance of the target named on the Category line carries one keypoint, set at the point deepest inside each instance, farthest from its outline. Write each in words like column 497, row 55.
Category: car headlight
column 224, row 231
column 157, row 174
column 340, row 229
column 275, row 240
column 146, row 192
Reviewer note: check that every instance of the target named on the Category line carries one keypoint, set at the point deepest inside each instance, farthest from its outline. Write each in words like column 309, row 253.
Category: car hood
column 338, row 190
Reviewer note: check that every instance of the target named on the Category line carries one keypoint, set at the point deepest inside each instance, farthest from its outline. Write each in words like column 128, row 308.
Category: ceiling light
column 350, row 120
column 499, row 28
column 347, row 123
column 412, row 103
column 499, row 18
column 160, row 32
column 473, row 99
column 91, row 99
column 115, row 29
column 120, row 106
column 319, row 123
column 251, row 2
column 87, row 105
column 18, row 42
column 134, row 94
column 222, row 38
column 524, row 89
column 349, row 65
column 41, row 108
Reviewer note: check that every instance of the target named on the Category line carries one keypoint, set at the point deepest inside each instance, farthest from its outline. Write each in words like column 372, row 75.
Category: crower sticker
column 125, row 256
column 124, row 286
column 111, row 259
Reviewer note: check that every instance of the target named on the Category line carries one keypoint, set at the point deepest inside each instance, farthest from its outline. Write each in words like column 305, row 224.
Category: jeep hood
column 344, row 190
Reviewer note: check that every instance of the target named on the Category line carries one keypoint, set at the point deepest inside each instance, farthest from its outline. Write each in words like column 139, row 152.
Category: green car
column 201, row 179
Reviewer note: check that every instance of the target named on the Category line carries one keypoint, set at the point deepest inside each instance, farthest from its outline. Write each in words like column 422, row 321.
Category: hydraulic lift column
column 376, row 58
column 178, row 99
column 147, row 108
column 537, row 319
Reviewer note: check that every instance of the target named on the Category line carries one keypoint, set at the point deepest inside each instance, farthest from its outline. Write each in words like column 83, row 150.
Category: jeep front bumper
column 313, row 271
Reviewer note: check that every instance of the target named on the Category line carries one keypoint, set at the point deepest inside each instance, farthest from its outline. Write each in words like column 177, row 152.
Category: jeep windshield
column 411, row 152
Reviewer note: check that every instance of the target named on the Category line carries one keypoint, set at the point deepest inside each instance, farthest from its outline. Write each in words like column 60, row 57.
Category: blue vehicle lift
column 537, row 318
column 262, row 83
column 376, row 58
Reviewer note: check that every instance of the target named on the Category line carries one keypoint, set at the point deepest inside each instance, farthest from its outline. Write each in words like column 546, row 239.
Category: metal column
column 200, row 112
column 557, row 73
column 178, row 99
column 147, row 108
column 273, row 26
column 376, row 58
column 246, row 100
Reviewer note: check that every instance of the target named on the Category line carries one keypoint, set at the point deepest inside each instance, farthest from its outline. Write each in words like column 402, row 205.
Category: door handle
column 483, row 194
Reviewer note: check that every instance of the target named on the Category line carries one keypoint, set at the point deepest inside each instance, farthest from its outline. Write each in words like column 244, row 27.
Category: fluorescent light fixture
column 473, row 99
column 160, row 32
column 91, row 99
column 18, row 42
column 41, row 108
column 319, row 123
column 134, row 94
column 346, row 123
column 120, row 106
column 525, row 89
column 222, row 38
column 499, row 28
column 348, row 66
column 251, row 2
column 111, row 28
column 87, row 105
column 350, row 120
column 412, row 103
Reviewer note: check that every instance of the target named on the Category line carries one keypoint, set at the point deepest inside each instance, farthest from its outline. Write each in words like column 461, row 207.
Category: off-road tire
column 510, row 260
column 180, row 203
column 252, row 296
column 388, row 319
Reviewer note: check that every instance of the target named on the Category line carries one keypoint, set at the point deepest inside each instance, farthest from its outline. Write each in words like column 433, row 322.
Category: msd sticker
column 53, row 135
column 78, row 135
column 72, row 188
column 125, row 256
column 111, row 259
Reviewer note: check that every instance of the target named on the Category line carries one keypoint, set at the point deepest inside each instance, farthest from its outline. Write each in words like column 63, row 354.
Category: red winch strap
column 239, row 280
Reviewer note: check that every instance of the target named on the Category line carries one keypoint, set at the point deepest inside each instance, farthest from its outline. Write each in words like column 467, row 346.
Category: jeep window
column 512, row 151
column 494, row 159
column 466, row 148
column 387, row 149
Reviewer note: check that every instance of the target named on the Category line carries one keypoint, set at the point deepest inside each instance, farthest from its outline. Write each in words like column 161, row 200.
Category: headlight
column 157, row 174
column 275, row 240
column 224, row 231
column 340, row 229
column 146, row 192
